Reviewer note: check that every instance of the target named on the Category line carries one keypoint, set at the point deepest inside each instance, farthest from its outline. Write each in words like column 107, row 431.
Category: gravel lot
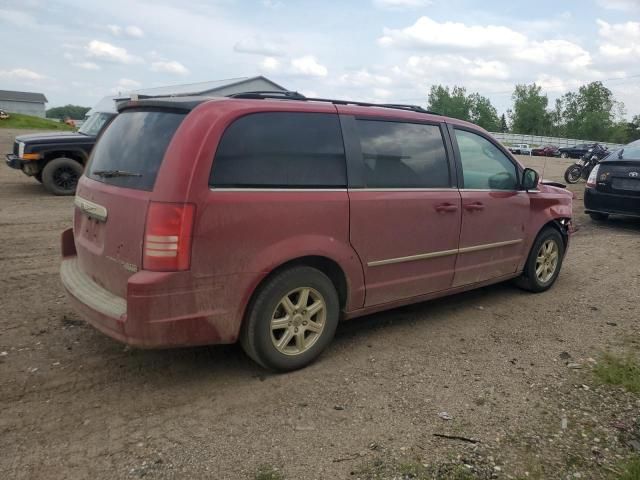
column 74, row 404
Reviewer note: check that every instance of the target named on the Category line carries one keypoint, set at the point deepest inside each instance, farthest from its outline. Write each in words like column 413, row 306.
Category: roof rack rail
column 290, row 95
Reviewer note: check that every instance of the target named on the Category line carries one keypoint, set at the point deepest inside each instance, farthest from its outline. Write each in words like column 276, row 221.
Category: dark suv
column 202, row 221
column 57, row 159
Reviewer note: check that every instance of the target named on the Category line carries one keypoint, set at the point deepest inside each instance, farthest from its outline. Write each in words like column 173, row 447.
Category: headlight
column 20, row 149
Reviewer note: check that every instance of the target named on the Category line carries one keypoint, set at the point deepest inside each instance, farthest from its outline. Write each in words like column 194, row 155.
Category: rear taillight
column 593, row 176
column 167, row 236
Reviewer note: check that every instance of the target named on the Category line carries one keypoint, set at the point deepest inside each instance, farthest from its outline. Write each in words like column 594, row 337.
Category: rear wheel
column 573, row 174
column 544, row 262
column 60, row 176
column 291, row 320
column 598, row 217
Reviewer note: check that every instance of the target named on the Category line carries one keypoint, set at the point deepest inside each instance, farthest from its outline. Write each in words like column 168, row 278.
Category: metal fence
column 538, row 140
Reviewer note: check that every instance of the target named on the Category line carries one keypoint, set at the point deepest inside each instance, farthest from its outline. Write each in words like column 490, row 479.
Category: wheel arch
column 74, row 154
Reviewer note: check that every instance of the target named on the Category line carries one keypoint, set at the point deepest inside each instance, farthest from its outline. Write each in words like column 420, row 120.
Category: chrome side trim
column 91, row 209
column 487, row 246
column 443, row 189
column 412, row 258
column 443, row 253
column 277, row 189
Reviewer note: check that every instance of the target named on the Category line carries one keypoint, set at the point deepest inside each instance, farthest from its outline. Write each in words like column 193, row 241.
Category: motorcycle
column 582, row 168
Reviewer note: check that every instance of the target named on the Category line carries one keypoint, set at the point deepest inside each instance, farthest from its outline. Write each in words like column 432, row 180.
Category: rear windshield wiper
column 115, row 173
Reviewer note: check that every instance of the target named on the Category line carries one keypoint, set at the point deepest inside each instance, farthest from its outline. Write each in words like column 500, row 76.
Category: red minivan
column 267, row 220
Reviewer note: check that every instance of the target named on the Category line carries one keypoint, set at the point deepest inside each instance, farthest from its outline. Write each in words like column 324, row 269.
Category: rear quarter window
column 281, row 150
column 134, row 145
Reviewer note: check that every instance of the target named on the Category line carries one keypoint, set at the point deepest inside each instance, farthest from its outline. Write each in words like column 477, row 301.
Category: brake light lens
column 167, row 238
column 593, row 176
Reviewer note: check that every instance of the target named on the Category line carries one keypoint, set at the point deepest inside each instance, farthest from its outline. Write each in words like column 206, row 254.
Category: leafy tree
column 529, row 115
column 452, row 103
column 457, row 104
column 483, row 113
column 504, row 128
column 591, row 113
column 72, row 111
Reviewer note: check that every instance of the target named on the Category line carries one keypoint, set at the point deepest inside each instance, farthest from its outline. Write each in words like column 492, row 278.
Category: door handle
column 446, row 207
column 474, row 206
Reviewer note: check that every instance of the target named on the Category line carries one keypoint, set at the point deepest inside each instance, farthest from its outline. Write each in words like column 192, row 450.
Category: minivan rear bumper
column 159, row 312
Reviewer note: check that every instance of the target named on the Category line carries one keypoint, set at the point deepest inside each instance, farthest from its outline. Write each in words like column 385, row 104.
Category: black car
column 613, row 188
column 57, row 159
column 577, row 151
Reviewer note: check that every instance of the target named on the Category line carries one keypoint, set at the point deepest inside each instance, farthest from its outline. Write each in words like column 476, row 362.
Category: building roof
column 200, row 88
column 30, row 97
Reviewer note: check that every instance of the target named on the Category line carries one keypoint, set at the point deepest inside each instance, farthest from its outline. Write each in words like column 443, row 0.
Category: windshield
column 628, row 152
column 94, row 124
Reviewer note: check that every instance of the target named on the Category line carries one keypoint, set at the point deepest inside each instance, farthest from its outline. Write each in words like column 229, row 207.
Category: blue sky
column 372, row 50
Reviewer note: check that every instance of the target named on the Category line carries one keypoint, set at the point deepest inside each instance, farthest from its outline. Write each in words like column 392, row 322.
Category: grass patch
column 17, row 120
column 268, row 473
column 616, row 370
column 630, row 470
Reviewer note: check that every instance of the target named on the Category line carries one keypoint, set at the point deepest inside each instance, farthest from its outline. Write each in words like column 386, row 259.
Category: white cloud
column 364, row 78
column 455, row 66
column 17, row 18
column 620, row 42
column 109, row 52
column 308, row 66
column 426, row 33
column 125, row 85
column 115, row 29
column 624, row 5
column 259, row 46
column 21, row 74
column 87, row 65
column 555, row 52
column 401, row 4
column 270, row 64
column 134, row 31
column 272, row 4
column 170, row 67
column 130, row 31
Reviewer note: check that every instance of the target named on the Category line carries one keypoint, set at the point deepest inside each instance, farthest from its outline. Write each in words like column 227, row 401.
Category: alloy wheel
column 298, row 321
column 547, row 261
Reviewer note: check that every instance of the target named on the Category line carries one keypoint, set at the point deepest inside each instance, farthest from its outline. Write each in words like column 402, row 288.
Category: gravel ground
column 76, row 404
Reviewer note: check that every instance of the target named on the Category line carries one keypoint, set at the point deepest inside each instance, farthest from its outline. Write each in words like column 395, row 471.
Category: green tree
column 483, row 113
column 529, row 115
column 591, row 113
column 72, row 111
column 504, row 128
column 452, row 103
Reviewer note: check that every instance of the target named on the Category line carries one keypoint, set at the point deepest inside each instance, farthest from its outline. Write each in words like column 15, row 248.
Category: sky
column 370, row 50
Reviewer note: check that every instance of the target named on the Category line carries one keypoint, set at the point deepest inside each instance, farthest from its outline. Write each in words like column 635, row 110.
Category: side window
column 281, row 150
column 403, row 155
column 484, row 166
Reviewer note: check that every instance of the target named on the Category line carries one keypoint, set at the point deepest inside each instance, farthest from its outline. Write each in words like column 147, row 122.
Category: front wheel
column 544, row 262
column 60, row 176
column 291, row 320
column 564, row 155
column 573, row 174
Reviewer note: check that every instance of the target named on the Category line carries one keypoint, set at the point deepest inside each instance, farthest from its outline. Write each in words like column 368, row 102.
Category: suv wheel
column 60, row 176
column 544, row 262
column 598, row 217
column 291, row 320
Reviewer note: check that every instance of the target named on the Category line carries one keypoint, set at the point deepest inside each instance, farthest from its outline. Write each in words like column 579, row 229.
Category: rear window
column 130, row 151
column 281, row 150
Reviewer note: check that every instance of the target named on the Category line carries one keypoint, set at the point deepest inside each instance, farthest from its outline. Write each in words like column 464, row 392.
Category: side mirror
column 530, row 179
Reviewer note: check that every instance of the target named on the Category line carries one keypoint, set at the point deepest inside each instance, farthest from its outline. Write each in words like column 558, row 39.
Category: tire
column 599, row 217
column 60, row 176
column 260, row 335
column 531, row 280
column 573, row 174
column 38, row 176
